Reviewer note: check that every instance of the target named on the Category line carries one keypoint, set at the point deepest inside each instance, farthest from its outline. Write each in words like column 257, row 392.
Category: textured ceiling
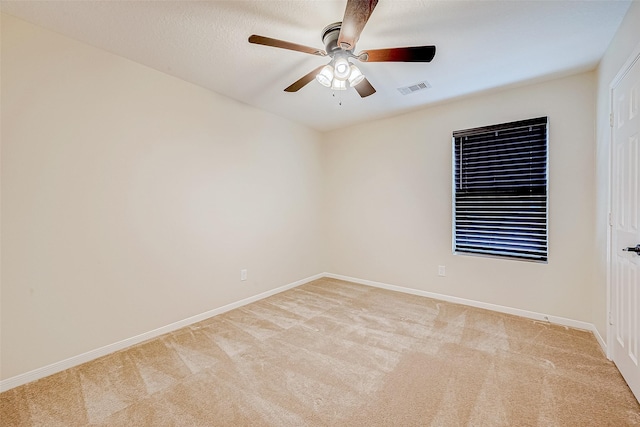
column 481, row 45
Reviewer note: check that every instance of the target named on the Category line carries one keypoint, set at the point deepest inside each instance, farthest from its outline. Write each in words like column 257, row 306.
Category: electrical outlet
column 243, row 274
column 441, row 270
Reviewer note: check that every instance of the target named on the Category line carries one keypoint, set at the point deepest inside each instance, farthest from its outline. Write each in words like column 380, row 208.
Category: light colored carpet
column 333, row 353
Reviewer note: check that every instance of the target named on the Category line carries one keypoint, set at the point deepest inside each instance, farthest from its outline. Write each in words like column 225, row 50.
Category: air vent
column 414, row 88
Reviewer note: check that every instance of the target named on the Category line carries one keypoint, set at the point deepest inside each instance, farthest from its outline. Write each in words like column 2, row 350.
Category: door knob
column 631, row 249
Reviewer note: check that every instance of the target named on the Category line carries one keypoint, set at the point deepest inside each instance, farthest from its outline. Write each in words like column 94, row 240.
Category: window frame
column 538, row 121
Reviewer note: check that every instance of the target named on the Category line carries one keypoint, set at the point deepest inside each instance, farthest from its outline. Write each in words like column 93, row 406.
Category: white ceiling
column 481, row 45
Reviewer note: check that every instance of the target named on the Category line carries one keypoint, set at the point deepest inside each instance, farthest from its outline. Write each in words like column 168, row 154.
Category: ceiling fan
column 340, row 40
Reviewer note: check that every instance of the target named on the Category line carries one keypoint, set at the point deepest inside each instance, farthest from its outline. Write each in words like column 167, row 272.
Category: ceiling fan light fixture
column 339, row 84
column 341, row 69
column 340, row 40
column 355, row 76
column 325, row 76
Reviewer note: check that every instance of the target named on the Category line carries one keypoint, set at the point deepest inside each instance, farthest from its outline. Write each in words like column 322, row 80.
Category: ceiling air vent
column 414, row 88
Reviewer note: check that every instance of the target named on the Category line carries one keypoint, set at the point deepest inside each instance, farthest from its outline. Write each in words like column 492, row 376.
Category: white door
column 625, row 263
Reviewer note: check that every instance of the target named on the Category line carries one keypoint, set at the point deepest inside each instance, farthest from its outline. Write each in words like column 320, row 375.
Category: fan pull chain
column 339, row 98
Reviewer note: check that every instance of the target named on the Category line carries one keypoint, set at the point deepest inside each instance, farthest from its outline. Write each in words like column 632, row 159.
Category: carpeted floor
column 333, row 353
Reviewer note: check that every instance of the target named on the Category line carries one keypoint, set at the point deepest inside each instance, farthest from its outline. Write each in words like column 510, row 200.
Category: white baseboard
column 45, row 371
column 479, row 304
column 601, row 341
column 39, row 373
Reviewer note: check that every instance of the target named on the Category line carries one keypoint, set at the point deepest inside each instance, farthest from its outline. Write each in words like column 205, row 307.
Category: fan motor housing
column 330, row 38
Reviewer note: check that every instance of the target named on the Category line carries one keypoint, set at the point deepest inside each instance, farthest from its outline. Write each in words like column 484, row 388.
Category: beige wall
column 389, row 201
column 132, row 199
column 624, row 44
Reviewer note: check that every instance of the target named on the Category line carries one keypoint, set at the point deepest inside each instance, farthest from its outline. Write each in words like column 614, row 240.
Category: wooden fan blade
column 364, row 88
column 399, row 54
column 267, row 41
column 302, row 82
column 356, row 15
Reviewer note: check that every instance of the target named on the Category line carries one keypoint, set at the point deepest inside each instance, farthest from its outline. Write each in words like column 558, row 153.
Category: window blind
column 500, row 197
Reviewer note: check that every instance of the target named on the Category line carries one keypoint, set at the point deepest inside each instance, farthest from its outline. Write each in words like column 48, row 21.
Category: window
column 500, row 190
